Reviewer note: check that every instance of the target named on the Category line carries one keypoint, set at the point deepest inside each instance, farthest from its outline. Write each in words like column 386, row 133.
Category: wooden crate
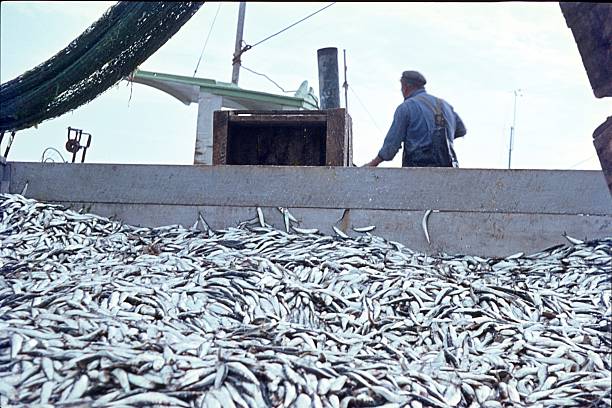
column 283, row 138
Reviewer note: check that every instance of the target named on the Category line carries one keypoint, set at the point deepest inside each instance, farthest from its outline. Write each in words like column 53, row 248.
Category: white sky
column 474, row 55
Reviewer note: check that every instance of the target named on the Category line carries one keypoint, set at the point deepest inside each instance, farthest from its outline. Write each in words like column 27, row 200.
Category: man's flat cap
column 414, row 77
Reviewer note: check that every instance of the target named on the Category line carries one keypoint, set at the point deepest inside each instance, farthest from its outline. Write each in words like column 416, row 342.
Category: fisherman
column 425, row 124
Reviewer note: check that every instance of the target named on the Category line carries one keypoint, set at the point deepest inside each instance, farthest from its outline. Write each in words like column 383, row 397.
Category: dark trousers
column 423, row 158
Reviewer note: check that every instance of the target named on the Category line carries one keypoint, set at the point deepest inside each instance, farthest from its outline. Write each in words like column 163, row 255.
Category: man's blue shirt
column 413, row 123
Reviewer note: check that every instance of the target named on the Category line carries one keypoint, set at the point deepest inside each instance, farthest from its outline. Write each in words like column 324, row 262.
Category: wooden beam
column 336, row 137
column 297, row 120
column 220, row 123
column 602, row 139
column 591, row 28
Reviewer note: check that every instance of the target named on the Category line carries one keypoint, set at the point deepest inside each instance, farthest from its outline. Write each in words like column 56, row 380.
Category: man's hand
column 375, row 162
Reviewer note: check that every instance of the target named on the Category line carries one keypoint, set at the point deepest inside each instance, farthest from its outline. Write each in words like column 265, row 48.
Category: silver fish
column 99, row 313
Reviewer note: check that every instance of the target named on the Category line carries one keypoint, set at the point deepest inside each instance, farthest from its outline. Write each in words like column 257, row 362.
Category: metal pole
column 516, row 91
column 329, row 85
column 238, row 48
column 345, row 85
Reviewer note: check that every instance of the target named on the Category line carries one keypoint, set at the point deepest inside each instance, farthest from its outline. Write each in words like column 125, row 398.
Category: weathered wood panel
column 337, row 140
column 278, row 119
column 602, row 139
column 447, row 189
column 220, row 127
column 292, row 138
column 591, row 26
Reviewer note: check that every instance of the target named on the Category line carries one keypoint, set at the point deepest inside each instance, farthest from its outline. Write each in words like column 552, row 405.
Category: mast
column 238, row 48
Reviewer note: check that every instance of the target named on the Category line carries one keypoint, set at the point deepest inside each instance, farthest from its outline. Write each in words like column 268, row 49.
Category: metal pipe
column 238, row 47
column 345, row 85
column 329, row 85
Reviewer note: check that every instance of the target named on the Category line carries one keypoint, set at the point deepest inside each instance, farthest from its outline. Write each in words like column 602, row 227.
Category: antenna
column 350, row 138
column 517, row 92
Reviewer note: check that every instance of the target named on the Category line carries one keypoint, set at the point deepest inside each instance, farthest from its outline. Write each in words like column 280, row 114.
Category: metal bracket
column 74, row 145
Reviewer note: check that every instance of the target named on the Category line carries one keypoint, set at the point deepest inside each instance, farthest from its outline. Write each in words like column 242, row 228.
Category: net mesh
column 108, row 51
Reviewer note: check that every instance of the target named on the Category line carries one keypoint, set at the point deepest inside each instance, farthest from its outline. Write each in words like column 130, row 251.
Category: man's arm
column 460, row 130
column 374, row 162
column 394, row 138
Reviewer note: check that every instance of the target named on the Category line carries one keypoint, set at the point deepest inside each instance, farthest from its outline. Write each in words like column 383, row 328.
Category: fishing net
column 108, row 51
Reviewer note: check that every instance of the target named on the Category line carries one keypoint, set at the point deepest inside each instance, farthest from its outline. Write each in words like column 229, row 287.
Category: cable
column 267, row 77
column 582, row 161
column 42, row 158
column 248, row 47
column 297, row 22
column 207, row 37
column 366, row 109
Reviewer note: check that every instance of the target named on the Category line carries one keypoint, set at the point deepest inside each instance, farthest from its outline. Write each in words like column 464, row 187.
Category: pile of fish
column 96, row 313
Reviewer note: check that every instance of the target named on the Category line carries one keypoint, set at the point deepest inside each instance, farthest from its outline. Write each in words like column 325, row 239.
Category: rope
column 207, row 37
column 267, row 77
column 582, row 161
column 366, row 109
column 42, row 158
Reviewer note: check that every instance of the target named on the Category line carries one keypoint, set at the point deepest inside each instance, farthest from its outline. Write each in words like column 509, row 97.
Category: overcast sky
column 474, row 55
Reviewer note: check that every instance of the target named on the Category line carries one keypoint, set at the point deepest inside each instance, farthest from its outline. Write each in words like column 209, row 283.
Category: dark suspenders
column 437, row 110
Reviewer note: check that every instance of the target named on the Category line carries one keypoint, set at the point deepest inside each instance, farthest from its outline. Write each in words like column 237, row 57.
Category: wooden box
column 283, row 138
